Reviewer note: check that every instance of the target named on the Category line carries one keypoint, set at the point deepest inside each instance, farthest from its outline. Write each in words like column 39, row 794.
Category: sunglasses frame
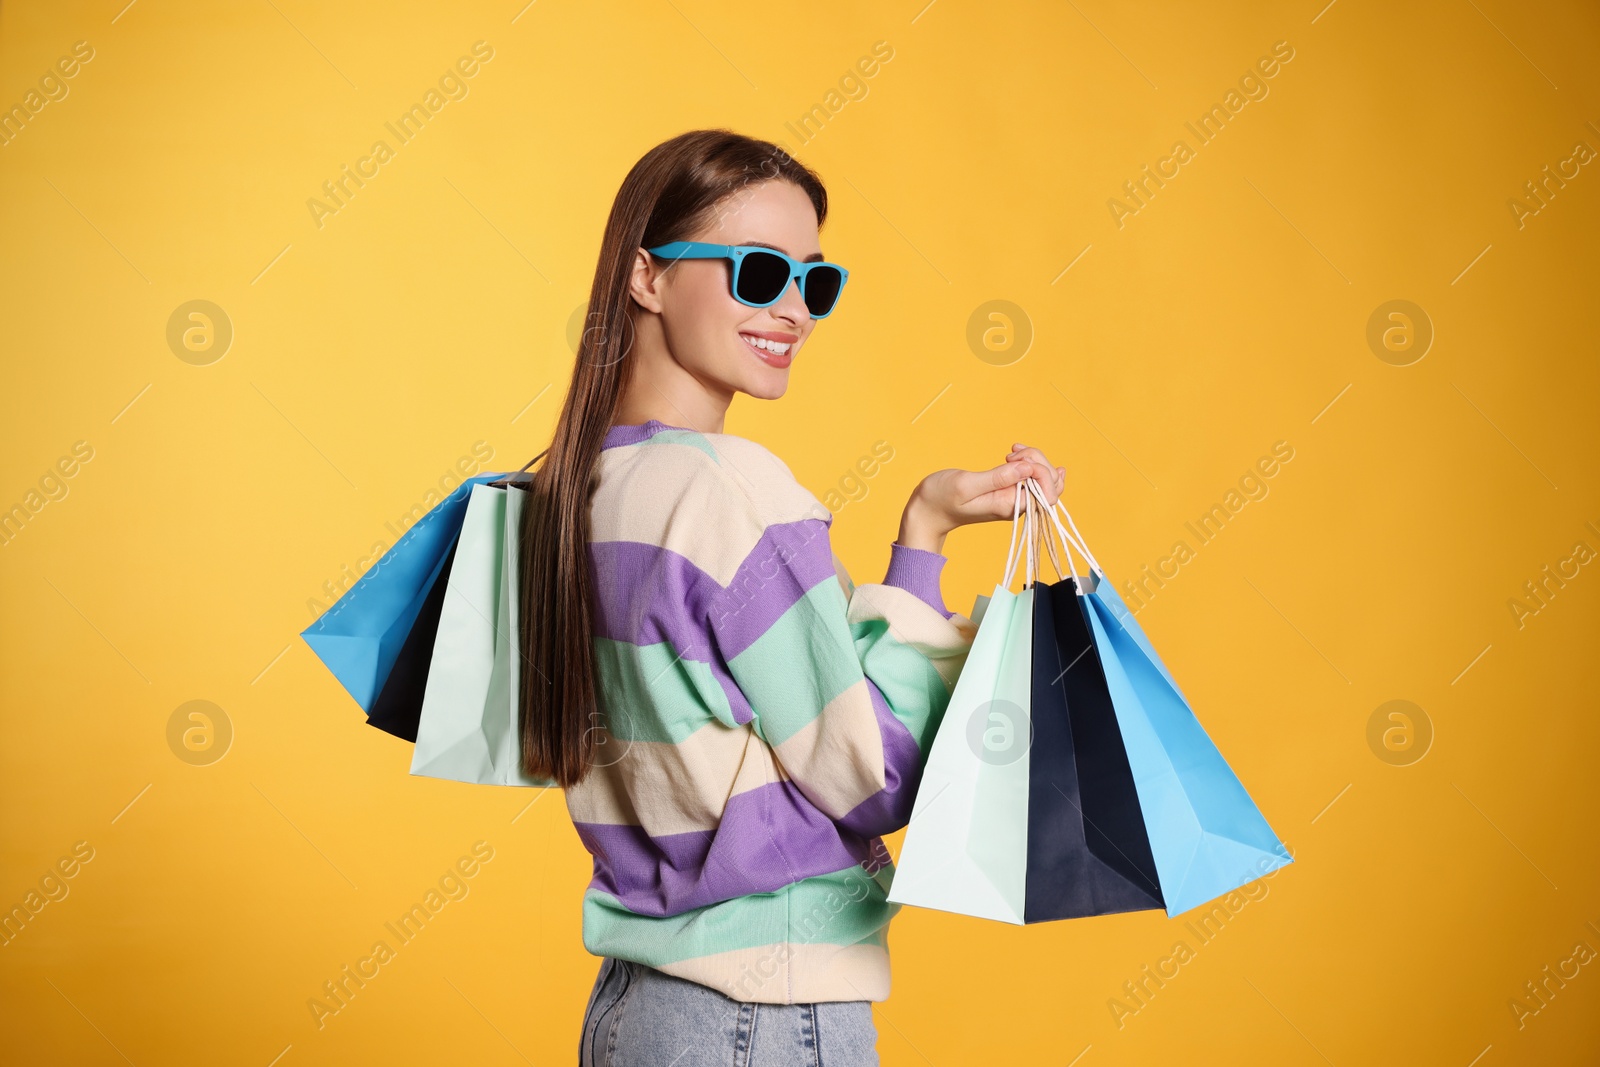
column 677, row 250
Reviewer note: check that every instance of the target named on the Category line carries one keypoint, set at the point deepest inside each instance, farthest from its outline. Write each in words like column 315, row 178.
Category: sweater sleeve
column 916, row 571
column 847, row 684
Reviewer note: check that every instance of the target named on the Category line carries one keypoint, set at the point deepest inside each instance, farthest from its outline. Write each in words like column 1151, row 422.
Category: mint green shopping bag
column 468, row 730
column 966, row 846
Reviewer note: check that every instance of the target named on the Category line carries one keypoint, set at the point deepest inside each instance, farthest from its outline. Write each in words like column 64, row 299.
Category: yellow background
column 432, row 311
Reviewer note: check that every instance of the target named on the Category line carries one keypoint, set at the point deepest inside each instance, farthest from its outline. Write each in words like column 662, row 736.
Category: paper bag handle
column 1074, row 539
column 1025, row 526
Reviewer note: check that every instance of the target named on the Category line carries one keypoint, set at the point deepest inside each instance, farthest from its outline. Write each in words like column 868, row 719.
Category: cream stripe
column 838, row 754
column 766, row 480
column 789, row 973
column 672, row 788
column 672, row 497
column 945, row 642
column 678, row 498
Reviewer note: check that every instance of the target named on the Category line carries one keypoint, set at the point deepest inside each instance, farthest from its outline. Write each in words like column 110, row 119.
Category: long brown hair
column 671, row 193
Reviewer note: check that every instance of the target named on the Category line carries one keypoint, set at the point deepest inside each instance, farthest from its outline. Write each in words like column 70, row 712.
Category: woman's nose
column 793, row 305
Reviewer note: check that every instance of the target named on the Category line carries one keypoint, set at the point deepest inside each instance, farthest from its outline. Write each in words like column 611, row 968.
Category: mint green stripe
column 910, row 683
column 683, row 437
column 804, row 660
column 846, row 907
column 673, row 696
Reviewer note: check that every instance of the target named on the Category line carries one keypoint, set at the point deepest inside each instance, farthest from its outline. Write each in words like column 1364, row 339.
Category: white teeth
column 763, row 343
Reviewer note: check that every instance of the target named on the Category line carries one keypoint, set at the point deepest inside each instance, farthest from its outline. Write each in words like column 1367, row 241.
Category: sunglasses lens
column 822, row 289
column 762, row 278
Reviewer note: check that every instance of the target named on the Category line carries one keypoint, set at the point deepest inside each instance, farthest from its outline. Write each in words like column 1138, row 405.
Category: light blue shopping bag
column 360, row 636
column 1208, row 836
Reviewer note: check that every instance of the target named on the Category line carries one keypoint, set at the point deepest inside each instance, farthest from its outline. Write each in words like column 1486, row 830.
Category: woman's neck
column 661, row 388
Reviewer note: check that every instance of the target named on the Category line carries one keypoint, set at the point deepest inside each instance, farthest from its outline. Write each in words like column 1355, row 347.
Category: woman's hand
column 950, row 498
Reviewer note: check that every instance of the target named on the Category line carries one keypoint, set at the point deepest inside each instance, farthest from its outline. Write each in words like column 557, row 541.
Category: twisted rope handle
column 1025, row 526
column 1069, row 541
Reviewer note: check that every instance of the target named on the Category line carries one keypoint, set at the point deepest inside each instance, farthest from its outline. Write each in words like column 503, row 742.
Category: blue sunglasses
column 761, row 275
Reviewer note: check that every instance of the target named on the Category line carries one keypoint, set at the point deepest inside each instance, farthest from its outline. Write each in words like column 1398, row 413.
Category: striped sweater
column 763, row 722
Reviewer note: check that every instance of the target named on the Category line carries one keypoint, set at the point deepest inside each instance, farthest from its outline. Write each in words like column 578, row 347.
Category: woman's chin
column 766, row 386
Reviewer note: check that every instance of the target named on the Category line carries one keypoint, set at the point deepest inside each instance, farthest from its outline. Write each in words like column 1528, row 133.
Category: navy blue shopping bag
column 1205, row 831
column 1088, row 851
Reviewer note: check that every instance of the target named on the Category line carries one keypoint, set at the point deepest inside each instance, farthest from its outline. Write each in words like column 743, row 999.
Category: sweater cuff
column 917, row 572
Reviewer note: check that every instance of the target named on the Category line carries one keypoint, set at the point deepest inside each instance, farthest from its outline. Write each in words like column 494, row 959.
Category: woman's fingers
column 992, row 494
column 1052, row 479
column 961, row 496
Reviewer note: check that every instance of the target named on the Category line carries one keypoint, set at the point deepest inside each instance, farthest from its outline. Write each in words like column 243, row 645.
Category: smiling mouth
column 771, row 358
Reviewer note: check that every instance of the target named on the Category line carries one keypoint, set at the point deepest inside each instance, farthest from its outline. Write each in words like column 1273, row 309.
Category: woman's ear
column 647, row 281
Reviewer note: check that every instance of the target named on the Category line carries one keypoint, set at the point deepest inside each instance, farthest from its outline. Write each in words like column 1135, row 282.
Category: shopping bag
column 468, row 729
column 1206, row 833
column 398, row 704
column 1030, row 793
column 1088, row 852
column 965, row 848
column 366, row 637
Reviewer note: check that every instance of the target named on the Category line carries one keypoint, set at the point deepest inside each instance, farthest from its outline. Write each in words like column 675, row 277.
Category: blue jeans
column 639, row 1017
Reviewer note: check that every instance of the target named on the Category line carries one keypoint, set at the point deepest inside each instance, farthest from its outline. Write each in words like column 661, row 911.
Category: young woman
column 734, row 723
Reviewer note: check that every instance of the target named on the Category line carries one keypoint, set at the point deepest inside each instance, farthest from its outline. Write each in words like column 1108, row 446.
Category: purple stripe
column 632, row 434
column 645, row 594
column 767, row 838
column 916, row 571
column 789, row 559
column 889, row 808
